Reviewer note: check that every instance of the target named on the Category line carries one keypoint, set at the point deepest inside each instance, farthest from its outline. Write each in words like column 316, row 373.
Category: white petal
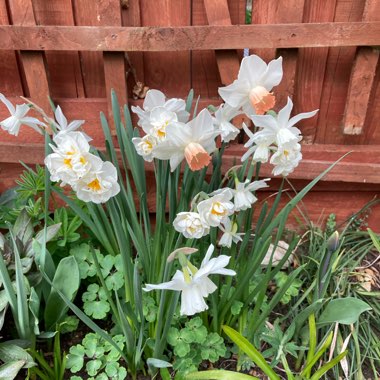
column 265, row 121
column 273, row 74
column 252, row 69
column 284, row 114
column 60, row 117
column 295, row 119
column 153, row 98
column 235, row 94
column 201, row 125
column 208, row 255
column 8, row 104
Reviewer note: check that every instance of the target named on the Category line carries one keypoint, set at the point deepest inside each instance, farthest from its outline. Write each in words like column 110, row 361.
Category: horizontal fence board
column 317, row 158
column 108, row 38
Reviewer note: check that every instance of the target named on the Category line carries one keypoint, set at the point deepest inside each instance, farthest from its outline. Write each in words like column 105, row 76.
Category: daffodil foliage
column 212, row 231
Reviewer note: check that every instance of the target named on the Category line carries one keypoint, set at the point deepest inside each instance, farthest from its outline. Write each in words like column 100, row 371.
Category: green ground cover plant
column 214, row 278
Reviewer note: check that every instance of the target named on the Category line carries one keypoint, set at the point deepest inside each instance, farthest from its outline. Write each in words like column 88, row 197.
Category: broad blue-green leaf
column 157, row 363
column 343, row 310
column 10, row 370
column 67, row 280
column 9, row 352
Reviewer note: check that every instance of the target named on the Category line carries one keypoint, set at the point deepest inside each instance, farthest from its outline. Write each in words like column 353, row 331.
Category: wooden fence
column 77, row 50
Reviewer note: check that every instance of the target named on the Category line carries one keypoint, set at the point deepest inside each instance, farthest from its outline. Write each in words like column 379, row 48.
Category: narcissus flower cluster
column 71, row 162
column 216, row 209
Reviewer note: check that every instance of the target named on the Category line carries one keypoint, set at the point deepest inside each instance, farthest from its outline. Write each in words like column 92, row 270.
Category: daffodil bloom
column 98, row 186
column 251, row 91
column 223, row 116
column 230, row 233
column 155, row 98
column 64, row 127
column 243, row 197
column 190, row 225
column 280, row 129
column 18, row 117
column 216, row 209
column 286, row 159
column 260, row 148
column 71, row 159
column 195, row 284
column 159, row 119
column 144, row 146
column 194, row 141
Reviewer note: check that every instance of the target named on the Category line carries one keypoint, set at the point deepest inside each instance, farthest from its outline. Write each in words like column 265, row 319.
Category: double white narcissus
column 194, row 284
column 217, row 208
column 230, row 233
column 98, row 186
column 243, row 197
column 223, row 116
column 71, row 159
column 251, row 90
column 144, row 146
column 18, row 117
column 194, row 141
column 155, row 98
column 190, row 225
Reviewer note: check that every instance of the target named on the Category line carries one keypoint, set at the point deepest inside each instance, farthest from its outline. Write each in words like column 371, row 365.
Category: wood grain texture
column 311, row 68
column 63, row 67
column 218, row 13
column 362, row 79
column 10, row 79
column 33, row 62
column 337, row 76
column 155, row 39
column 169, row 72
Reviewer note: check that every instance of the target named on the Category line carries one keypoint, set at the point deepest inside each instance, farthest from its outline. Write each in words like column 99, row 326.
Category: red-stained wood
column 205, row 78
column 91, row 61
column 10, row 80
column 114, row 62
column 33, row 62
column 169, row 72
column 131, row 16
column 337, row 76
column 64, row 67
column 362, row 78
column 316, row 160
column 311, row 69
column 217, row 12
column 174, row 39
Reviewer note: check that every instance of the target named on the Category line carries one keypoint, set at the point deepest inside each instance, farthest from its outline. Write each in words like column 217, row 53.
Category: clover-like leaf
column 236, row 307
column 93, row 366
column 115, row 280
column 95, row 302
column 106, row 265
column 149, row 308
column 194, row 331
column 75, row 358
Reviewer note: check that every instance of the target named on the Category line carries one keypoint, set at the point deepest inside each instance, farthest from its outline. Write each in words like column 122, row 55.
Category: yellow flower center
column 218, row 209
column 286, row 153
column 67, row 162
column 82, row 160
column 94, row 185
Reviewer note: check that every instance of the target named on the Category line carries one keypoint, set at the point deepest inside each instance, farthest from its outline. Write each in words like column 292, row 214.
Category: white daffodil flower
column 222, row 121
column 155, row 98
column 71, row 159
column 144, row 146
column 243, row 197
column 63, row 126
column 18, row 117
column 216, row 209
column 286, row 159
column 280, row 130
column 159, row 119
column 251, row 90
column 260, row 148
column 230, row 233
column 194, row 284
column 194, row 141
column 190, row 225
column 98, row 186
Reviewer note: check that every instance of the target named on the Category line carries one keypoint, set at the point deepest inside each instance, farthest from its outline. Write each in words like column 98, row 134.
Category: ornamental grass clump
column 198, row 207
